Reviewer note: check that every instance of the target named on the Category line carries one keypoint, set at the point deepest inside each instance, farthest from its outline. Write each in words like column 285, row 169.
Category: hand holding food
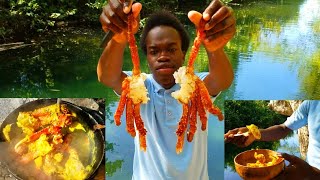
column 244, row 136
column 220, row 25
column 193, row 95
column 114, row 17
column 133, row 93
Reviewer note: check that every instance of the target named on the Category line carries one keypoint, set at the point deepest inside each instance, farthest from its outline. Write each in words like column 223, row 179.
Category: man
column 165, row 42
column 308, row 113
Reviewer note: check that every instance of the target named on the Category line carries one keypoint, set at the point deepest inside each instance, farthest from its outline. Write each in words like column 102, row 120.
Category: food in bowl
column 258, row 164
column 262, row 160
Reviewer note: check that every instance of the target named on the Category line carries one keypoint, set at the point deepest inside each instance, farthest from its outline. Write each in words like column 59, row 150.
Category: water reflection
column 275, row 55
column 61, row 64
column 275, row 50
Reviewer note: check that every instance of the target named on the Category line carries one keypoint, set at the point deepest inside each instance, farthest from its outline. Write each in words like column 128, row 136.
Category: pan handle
column 99, row 117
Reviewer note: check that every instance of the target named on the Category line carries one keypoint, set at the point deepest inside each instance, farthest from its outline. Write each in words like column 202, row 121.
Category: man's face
column 164, row 54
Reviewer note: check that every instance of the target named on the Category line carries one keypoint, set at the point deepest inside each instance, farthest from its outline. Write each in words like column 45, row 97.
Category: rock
column 281, row 106
column 303, row 135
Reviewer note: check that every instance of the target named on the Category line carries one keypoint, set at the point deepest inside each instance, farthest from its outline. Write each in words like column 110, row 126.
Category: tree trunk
column 287, row 108
column 303, row 134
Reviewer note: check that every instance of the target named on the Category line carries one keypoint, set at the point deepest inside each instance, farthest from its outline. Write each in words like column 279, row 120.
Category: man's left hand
column 298, row 169
column 220, row 25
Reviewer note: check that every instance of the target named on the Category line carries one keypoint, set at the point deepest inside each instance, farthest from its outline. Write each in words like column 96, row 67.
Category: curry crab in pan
column 47, row 141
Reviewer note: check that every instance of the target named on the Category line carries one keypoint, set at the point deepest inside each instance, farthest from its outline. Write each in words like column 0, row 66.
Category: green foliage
column 242, row 113
column 109, row 146
column 42, row 14
column 26, row 17
column 111, row 167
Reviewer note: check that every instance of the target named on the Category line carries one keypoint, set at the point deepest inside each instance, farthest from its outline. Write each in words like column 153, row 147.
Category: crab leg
column 133, row 47
column 193, row 117
column 140, row 127
column 48, row 130
column 130, row 118
column 206, row 101
column 193, row 95
column 133, row 93
column 196, row 45
column 183, row 124
column 122, row 103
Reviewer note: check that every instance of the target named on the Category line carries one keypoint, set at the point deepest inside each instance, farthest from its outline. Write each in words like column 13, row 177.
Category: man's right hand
column 114, row 17
column 239, row 136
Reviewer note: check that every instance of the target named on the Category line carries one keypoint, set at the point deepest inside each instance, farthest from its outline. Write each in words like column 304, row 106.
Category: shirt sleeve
column 299, row 118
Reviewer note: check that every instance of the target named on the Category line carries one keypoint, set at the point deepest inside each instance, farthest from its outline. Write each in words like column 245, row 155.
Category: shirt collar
column 158, row 87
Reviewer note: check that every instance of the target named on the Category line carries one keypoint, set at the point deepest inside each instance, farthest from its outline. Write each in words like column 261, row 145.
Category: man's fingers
column 117, row 21
column 103, row 22
column 221, row 36
column 127, row 6
column 195, row 17
column 136, row 8
column 107, row 25
column 240, row 141
column 226, row 25
column 211, row 9
column 292, row 159
column 118, row 8
column 218, row 17
column 231, row 132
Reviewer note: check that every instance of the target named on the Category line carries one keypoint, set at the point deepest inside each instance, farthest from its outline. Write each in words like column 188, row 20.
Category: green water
column 275, row 55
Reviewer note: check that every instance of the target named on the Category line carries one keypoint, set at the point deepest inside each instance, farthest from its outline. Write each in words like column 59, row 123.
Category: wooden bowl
column 254, row 173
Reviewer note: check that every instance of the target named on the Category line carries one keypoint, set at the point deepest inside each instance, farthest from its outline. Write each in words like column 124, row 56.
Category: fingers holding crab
column 134, row 93
column 193, row 94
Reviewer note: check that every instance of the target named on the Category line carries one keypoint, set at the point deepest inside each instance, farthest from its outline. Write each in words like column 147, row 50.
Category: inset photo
column 272, row 139
column 60, row 138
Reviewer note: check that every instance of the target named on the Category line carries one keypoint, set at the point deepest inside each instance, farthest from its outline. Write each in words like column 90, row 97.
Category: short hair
column 167, row 19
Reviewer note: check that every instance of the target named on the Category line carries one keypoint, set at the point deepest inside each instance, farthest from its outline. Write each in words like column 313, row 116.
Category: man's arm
column 219, row 30
column 220, row 75
column 109, row 68
column 298, row 169
column 272, row 133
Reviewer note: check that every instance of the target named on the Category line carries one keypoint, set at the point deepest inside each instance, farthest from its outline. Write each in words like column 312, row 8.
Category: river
column 275, row 55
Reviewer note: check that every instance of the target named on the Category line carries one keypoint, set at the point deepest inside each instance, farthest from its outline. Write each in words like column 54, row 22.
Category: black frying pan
column 97, row 144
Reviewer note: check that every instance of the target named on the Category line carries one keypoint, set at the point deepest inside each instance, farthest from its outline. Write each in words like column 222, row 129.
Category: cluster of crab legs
column 133, row 93
column 197, row 99
column 54, row 130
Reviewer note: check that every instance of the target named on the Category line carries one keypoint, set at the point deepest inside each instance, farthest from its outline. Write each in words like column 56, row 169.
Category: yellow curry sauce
column 53, row 161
